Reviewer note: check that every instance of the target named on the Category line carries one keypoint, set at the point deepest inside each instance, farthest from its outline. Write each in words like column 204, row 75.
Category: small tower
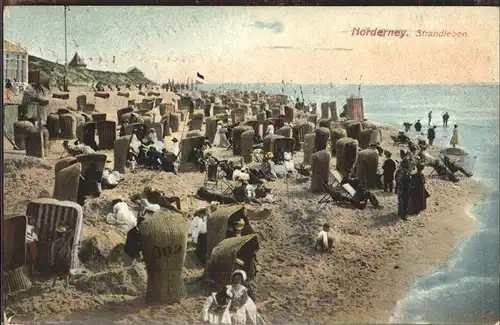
column 355, row 109
column 77, row 63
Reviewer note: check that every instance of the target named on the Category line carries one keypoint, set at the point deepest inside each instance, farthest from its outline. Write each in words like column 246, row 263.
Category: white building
column 15, row 62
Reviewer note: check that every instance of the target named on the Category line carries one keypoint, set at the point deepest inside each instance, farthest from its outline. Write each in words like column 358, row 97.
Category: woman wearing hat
column 418, row 192
column 242, row 308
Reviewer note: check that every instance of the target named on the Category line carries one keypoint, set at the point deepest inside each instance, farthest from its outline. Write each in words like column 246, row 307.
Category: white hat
column 243, row 274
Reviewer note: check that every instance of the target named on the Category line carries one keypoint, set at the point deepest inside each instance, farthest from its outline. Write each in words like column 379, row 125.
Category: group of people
column 431, row 131
column 410, row 188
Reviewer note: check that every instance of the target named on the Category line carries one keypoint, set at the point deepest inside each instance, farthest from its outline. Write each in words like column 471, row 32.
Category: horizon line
column 356, row 84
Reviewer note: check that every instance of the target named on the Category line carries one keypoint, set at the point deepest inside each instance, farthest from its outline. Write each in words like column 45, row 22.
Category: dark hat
column 434, row 126
column 326, row 226
column 388, row 154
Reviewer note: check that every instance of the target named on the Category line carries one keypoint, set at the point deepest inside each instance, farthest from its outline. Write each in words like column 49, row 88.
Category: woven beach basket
column 67, row 181
column 164, row 240
column 335, row 135
column 347, row 151
column 320, row 170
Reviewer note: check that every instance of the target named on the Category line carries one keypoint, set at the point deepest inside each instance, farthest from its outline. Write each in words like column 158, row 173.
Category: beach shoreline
column 376, row 256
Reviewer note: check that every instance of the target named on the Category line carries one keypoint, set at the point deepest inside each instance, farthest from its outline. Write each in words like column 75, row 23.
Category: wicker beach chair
column 14, row 255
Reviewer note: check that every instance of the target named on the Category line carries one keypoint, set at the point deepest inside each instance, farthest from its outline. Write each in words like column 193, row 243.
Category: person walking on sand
column 454, row 137
column 430, row 117
column 431, row 134
column 403, row 191
column 389, row 167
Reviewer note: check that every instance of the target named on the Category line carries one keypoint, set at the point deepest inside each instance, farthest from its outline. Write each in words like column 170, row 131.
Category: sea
column 466, row 289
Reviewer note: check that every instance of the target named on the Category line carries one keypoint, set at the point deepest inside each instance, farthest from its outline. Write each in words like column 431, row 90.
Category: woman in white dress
column 218, row 134
column 454, row 137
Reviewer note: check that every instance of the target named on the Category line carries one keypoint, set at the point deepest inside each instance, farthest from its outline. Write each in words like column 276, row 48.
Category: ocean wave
column 435, row 304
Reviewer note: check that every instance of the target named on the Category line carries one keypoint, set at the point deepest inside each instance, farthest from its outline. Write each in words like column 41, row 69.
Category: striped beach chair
column 106, row 130
column 45, row 215
column 99, row 117
column 67, row 125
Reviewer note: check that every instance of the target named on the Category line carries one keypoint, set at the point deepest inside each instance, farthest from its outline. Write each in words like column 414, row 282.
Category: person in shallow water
column 418, row 126
column 389, row 167
column 418, row 192
column 446, row 117
column 403, row 190
column 430, row 117
column 431, row 135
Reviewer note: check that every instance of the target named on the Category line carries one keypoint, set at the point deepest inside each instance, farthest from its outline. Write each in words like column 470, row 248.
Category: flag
column 200, row 79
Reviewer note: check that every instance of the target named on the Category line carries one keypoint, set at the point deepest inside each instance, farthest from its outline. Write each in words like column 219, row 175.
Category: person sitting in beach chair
column 61, row 254
column 442, row 171
column 75, row 149
column 324, row 241
column 453, row 167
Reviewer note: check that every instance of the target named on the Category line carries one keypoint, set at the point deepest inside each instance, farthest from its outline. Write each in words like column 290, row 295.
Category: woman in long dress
column 454, row 137
column 217, row 134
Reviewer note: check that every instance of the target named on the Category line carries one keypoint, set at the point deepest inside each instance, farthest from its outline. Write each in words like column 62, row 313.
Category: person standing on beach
column 446, row 117
column 418, row 192
column 454, row 137
column 403, row 189
column 418, row 126
column 389, row 167
column 431, row 134
column 9, row 89
column 430, row 117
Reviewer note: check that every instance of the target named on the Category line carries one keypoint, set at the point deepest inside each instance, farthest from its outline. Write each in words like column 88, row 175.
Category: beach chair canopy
column 223, row 258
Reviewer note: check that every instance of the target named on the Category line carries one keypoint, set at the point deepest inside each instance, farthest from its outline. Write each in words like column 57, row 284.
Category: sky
column 268, row 44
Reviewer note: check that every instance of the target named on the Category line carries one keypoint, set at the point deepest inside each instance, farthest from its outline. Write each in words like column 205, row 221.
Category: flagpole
column 65, row 41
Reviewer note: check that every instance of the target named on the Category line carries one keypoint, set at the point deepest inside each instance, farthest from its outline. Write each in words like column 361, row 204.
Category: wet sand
column 374, row 258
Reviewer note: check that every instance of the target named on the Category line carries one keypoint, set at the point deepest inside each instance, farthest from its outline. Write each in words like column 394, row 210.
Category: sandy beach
column 375, row 256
